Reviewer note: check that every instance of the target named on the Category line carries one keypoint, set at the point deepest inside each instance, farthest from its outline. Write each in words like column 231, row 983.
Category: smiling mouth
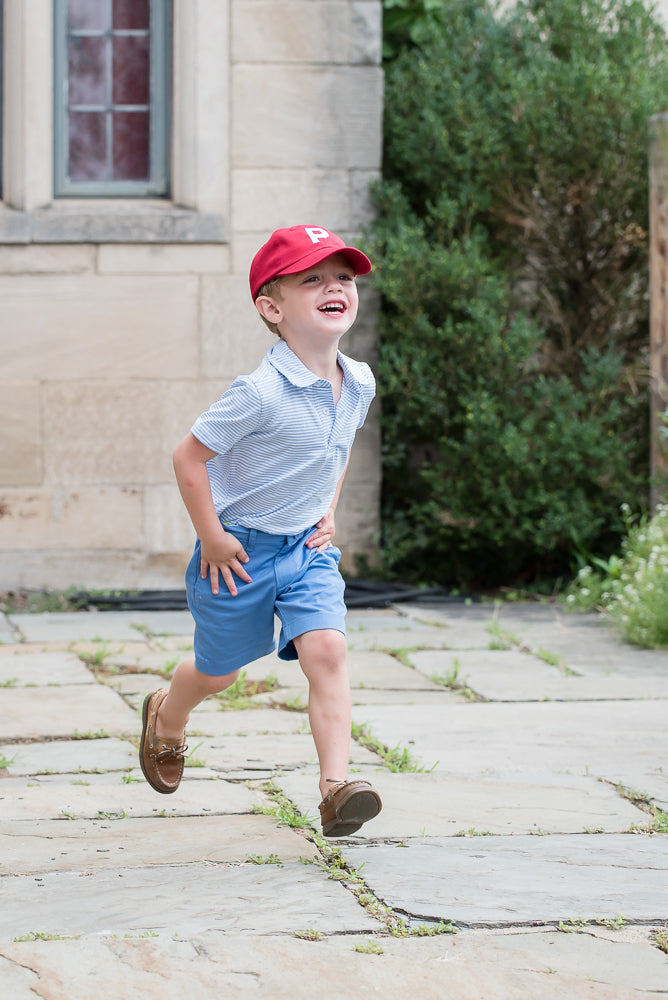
column 332, row 308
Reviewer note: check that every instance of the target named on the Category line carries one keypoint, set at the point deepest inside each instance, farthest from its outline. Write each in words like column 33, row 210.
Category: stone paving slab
column 521, row 880
column 64, row 845
column 371, row 669
column 59, row 796
column 36, row 713
column 628, row 964
column 267, row 752
column 69, row 756
column 442, row 805
column 511, row 675
column 435, row 696
column 399, row 638
column 280, row 967
column 287, row 673
column 545, row 627
column 42, row 669
column 7, row 634
column 258, row 721
column 185, row 899
column 606, row 739
column 134, row 684
column 86, row 625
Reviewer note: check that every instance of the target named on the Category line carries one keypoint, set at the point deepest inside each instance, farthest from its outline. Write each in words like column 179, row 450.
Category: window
column 111, row 112
column 182, row 194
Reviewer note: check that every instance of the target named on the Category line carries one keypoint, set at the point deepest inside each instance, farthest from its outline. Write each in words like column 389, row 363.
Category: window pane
column 131, row 14
column 84, row 15
column 88, row 146
column 87, row 67
column 112, row 68
column 131, row 146
column 131, row 70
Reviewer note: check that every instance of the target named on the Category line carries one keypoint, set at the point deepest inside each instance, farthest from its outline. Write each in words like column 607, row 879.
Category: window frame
column 199, row 205
column 157, row 185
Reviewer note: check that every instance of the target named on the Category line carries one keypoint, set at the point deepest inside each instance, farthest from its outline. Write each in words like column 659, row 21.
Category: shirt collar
column 295, row 371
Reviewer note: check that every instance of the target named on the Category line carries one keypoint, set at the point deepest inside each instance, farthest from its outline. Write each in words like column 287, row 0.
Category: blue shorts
column 302, row 587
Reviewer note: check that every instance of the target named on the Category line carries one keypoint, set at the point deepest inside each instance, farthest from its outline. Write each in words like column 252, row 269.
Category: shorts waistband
column 254, row 536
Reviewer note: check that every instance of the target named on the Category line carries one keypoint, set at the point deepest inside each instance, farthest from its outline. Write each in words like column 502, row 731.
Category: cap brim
column 359, row 261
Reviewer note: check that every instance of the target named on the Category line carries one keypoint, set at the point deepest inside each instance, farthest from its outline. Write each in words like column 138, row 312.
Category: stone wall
column 120, row 322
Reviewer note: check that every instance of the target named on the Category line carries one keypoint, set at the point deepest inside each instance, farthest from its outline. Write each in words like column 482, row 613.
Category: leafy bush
column 632, row 588
column 511, row 256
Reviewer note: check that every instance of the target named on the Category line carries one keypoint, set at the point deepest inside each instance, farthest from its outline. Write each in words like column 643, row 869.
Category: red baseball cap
column 288, row 251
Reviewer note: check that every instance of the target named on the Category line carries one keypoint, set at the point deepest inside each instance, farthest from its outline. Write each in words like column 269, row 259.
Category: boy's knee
column 326, row 648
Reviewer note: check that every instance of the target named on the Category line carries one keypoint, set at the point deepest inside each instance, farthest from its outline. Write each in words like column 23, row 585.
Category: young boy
column 260, row 474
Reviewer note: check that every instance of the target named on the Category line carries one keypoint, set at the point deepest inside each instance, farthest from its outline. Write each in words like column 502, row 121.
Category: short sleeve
column 234, row 416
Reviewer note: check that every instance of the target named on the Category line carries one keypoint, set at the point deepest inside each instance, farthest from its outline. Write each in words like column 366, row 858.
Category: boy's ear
column 268, row 308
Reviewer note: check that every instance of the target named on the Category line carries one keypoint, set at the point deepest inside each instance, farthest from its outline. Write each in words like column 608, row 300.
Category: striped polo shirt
column 281, row 442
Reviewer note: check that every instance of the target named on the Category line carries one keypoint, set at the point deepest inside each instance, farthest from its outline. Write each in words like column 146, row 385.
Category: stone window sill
column 108, row 221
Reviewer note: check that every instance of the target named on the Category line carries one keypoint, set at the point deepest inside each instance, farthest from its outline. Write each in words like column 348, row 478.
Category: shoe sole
column 353, row 812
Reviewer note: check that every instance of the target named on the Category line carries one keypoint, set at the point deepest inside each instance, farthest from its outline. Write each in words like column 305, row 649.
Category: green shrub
column 511, row 257
column 632, row 588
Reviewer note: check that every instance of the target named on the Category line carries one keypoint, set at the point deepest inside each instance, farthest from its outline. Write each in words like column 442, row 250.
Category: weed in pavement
column 660, row 938
column 372, row 948
column 397, row 759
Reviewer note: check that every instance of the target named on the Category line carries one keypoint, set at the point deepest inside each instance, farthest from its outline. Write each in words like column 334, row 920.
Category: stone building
column 148, row 148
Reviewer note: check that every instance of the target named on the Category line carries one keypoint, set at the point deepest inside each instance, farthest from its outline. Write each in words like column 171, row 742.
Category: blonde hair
column 272, row 290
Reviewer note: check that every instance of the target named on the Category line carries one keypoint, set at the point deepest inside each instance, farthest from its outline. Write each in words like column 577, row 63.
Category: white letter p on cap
column 315, row 235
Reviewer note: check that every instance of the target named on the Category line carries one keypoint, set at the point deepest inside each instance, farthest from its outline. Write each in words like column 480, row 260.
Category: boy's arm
column 321, row 539
column 222, row 553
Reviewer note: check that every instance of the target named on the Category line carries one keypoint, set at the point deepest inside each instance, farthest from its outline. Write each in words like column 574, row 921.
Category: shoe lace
column 167, row 752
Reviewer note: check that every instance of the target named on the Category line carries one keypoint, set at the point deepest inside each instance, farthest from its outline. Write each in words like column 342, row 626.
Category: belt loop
column 252, row 535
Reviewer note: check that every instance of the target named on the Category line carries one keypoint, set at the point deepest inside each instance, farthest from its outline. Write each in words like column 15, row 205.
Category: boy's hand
column 223, row 556
column 322, row 537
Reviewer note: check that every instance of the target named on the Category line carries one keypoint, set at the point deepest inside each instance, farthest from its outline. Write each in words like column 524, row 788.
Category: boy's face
column 320, row 302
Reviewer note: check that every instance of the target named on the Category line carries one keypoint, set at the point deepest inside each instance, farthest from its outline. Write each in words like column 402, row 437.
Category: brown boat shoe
column 161, row 760
column 347, row 807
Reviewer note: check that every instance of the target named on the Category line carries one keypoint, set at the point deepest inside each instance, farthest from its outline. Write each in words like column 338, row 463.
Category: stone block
column 81, row 845
column 364, row 464
column 55, row 569
column 291, row 117
column 106, row 432
column 88, row 518
column 28, row 669
column 39, row 259
column 167, row 527
column 34, row 713
column 91, row 626
column 278, row 198
column 20, row 419
column 289, row 31
column 358, row 519
column 111, row 794
column 265, row 963
column 162, row 259
column 73, row 327
column 438, row 804
column 614, row 741
column 492, row 881
column 178, row 901
column 246, row 244
column 360, row 208
column 362, row 341
column 234, row 339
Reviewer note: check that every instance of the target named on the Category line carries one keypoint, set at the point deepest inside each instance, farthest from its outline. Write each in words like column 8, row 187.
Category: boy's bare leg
column 189, row 687
column 324, row 660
